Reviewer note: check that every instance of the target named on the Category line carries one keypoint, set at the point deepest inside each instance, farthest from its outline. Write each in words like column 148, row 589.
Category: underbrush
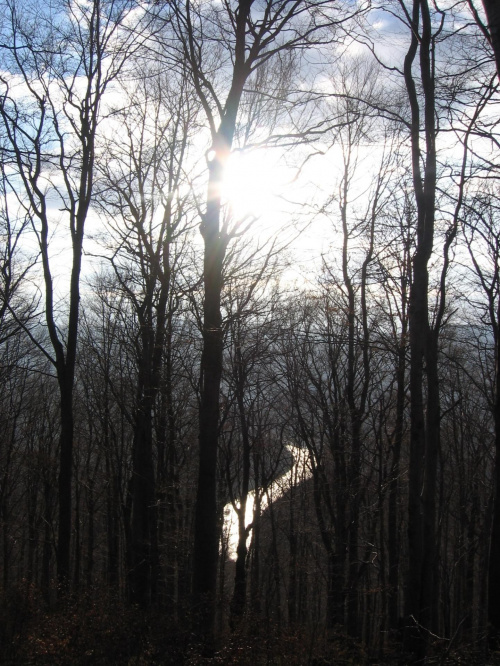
column 93, row 629
column 99, row 629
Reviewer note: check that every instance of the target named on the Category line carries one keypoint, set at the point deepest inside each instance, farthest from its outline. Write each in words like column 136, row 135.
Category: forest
column 249, row 332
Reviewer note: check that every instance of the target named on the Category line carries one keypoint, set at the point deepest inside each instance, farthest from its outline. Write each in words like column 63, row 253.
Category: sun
column 253, row 182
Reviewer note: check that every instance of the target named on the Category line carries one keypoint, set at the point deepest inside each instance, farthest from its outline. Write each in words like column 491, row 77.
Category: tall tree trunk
column 206, row 543
column 424, row 435
column 397, row 443
column 143, row 515
column 65, row 478
column 394, row 492
column 255, row 587
column 494, row 559
column 206, row 531
column 47, row 541
column 238, row 601
column 429, row 597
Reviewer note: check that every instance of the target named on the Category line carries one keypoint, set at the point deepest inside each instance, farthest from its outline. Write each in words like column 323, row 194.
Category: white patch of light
column 252, row 182
column 298, row 471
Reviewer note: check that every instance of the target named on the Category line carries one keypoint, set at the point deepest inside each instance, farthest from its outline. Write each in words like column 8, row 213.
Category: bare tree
column 57, row 66
column 491, row 30
column 223, row 46
column 143, row 194
column 483, row 240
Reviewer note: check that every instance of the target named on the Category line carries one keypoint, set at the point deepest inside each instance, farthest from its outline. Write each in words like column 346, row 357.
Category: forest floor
column 101, row 631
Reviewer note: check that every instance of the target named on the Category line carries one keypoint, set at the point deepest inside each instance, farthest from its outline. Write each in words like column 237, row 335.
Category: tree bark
column 492, row 9
column 143, row 516
column 206, row 544
column 238, row 601
column 494, row 559
column 424, row 432
column 206, row 530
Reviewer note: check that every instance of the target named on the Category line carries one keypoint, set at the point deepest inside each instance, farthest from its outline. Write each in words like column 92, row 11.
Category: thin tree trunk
column 47, row 541
column 255, row 591
column 143, row 524
column 238, row 602
column 494, row 558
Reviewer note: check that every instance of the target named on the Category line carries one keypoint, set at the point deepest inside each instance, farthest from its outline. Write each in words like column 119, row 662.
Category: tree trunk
column 65, row 481
column 206, row 544
column 424, row 435
column 397, row 443
column 394, row 493
column 494, row 559
column 47, row 541
column 255, row 599
column 429, row 597
column 238, row 602
column 492, row 9
column 143, row 516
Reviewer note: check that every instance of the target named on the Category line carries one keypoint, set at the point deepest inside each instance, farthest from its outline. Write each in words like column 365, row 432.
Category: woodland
column 249, row 332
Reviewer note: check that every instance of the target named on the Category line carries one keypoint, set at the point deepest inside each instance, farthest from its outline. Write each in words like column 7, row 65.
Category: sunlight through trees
column 249, row 345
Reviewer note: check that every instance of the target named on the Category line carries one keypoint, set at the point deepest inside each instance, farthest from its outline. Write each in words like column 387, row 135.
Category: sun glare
column 252, row 183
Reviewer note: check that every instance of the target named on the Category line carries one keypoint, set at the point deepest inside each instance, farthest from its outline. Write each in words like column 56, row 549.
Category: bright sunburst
column 252, row 183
